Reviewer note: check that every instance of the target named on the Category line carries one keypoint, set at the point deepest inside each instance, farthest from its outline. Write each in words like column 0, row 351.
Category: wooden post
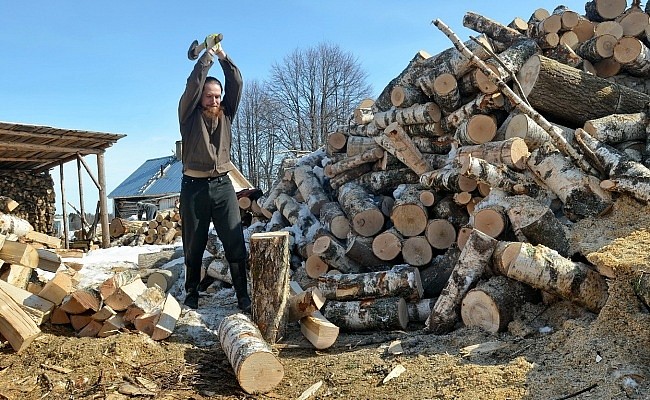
column 269, row 265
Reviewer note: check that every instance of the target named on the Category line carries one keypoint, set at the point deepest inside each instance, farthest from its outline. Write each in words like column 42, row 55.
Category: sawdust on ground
column 551, row 351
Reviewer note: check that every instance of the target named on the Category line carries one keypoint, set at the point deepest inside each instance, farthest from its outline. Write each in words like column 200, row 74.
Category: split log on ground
column 535, row 223
column 269, row 261
column 304, row 302
column 165, row 278
column 121, row 290
column 420, row 310
column 448, row 178
column 57, row 288
column 365, row 216
column 81, row 300
column 417, row 114
column 545, row 269
column 334, row 220
column 417, row 251
column 50, row 242
column 91, row 329
column 511, row 152
column 166, row 320
column 552, row 87
column 13, row 225
column 286, row 186
column 310, row 188
column 603, row 10
column 388, row 244
column 597, row 48
column 641, row 286
column 473, row 263
column 499, row 177
column 333, row 254
column 59, row 317
column 580, row 193
column 440, row 233
column 78, row 321
column 15, row 324
column 368, row 156
column 256, row 367
column 48, row 260
column 38, row 308
column 403, row 148
column 618, row 128
column 384, row 182
column 409, row 215
column 16, row 274
column 493, row 303
column 219, row 268
column 400, row 281
column 385, row 313
column 434, row 277
column 7, row 204
column 112, row 326
column 359, row 249
column 19, row 253
column 482, row 104
column 320, row 332
column 120, row 226
column 523, row 126
column 406, row 78
column 624, row 174
column 103, row 314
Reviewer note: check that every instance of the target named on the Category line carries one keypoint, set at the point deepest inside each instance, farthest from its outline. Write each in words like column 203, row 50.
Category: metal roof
column 39, row 148
column 156, row 177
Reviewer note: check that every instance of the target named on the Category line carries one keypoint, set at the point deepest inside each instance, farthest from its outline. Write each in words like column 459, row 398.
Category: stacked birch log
column 470, row 167
column 163, row 229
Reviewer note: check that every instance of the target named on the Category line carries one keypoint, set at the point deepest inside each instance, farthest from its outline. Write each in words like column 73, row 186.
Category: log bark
column 371, row 314
column 348, row 163
column 448, row 178
column 545, row 269
column 405, row 78
column 552, row 87
column 604, row 10
column 269, row 255
column 365, row 216
column 419, row 311
column 597, row 48
column 383, row 182
column 472, row 264
column 511, row 152
column 257, row 369
column 417, row 114
column 310, row 188
column 409, row 215
column 482, row 104
column 617, row 128
column 359, row 249
column 400, row 281
column 523, row 126
column 333, row 254
column 493, row 303
column 15, row 324
column 341, row 179
column 491, row 28
column 334, row 220
column 498, row 177
column 435, row 277
column 286, row 186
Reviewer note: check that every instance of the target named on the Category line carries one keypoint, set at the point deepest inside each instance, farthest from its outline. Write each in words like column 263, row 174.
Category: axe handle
column 201, row 46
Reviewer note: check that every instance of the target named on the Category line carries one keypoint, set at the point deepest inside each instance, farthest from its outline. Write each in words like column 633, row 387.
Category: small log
column 363, row 116
column 440, row 233
column 348, row 163
column 417, row 251
column 320, row 332
column 618, row 128
column 91, row 329
column 597, row 48
column 511, row 152
column 477, row 129
column 388, row 244
column 386, row 313
column 523, row 126
column 359, row 249
column 400, row 281
column 482, row 104
column 269, row 255
column 434, row 277
column 446, row 93
column 564, row 54
column 19, row 253
column 310, row 188
column 545, row 269
column 405, row 78
column 103, row 314
column 448, row 178
column 341, row 179
column 304, row 302
column 121, row 290
column 333, row 254
column 447, row 209
column 407, row 96
column 604, row 10
column 365, row 216
column 383, row 182
column 634, row 21
column 416, row 114
column 493, row 303
column 315, row 266
column 472, row 264
column 491, row 28
column 498, row 177
column 419, row 311
column 57, row 288
column 15, row 324
column 286, row 186
column 219, row 268
column 256, row 367
column 165, row 278
column 404, row 149
column 296, row 213
column 633, row 55
column 38, row 308
column 358, row 145
column 409, row 215
column 491, row 220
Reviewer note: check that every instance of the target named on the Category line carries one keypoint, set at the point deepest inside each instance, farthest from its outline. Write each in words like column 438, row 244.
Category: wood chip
column 481, row 348
column 395, row 347
column 397, row 371
column 147, row 384
column 310, row 391
column 57, row 368
column 132, row 390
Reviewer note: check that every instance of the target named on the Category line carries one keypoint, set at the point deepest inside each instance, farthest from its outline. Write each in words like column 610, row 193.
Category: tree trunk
column 482, row 104
column 545, row 269
column 256, row 367
column 499, row 177
column 400, row 281
column 386, row 313
column 269, row 261
column 472, row 264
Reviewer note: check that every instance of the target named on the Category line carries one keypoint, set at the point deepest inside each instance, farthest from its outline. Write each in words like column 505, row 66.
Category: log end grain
column 440, row 233
column 260, row 373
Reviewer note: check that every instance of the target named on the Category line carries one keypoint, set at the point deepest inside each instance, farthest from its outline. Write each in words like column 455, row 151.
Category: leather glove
column 213, row 42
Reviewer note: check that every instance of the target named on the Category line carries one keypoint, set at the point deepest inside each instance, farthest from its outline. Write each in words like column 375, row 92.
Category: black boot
column 192, row 299
column 240, row 283
column 206, row 282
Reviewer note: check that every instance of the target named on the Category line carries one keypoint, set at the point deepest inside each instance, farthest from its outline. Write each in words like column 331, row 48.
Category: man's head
column 211, row 97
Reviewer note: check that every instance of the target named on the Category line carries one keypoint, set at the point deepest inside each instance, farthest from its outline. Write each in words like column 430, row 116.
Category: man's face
column 211, row 99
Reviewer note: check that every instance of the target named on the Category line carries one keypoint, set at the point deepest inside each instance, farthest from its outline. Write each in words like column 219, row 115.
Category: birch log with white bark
column 365, row 216
column 385, row 313
column 400, row 281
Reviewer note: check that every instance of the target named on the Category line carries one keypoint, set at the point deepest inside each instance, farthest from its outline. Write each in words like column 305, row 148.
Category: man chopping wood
column 207, row 194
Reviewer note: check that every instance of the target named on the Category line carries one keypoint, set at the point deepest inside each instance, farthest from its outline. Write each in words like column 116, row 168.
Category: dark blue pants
column 205, row 200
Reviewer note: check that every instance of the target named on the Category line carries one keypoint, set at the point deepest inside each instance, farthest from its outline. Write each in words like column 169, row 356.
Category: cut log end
column 260, row 373
column 478, row 309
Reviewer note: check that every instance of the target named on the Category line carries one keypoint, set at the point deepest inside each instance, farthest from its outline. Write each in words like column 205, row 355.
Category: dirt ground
column 551, row 351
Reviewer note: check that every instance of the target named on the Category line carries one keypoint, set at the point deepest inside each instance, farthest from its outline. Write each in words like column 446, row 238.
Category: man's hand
column 214, row 42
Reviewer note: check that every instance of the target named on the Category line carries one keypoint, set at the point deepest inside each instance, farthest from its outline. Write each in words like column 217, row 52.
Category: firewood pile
column 34, row 195
column 463, row 178
column 163, row 229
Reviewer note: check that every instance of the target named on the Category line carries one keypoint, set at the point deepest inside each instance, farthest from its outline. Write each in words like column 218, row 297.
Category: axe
column 196, row 48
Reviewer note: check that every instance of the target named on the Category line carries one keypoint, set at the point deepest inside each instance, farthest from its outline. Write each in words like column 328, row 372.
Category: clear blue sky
column 120, row 67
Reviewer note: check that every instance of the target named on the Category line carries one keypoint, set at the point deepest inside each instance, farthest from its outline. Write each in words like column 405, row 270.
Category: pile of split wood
column 163, row 229
column 462, row 179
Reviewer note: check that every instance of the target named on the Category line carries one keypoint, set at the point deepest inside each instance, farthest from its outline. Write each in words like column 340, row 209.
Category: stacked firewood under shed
column 468, row 173
column 163, row 229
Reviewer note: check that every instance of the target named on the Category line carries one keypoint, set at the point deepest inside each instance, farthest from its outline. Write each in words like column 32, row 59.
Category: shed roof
column 39, row 148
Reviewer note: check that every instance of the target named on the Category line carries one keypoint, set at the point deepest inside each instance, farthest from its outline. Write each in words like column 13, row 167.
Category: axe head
column 193, row 51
